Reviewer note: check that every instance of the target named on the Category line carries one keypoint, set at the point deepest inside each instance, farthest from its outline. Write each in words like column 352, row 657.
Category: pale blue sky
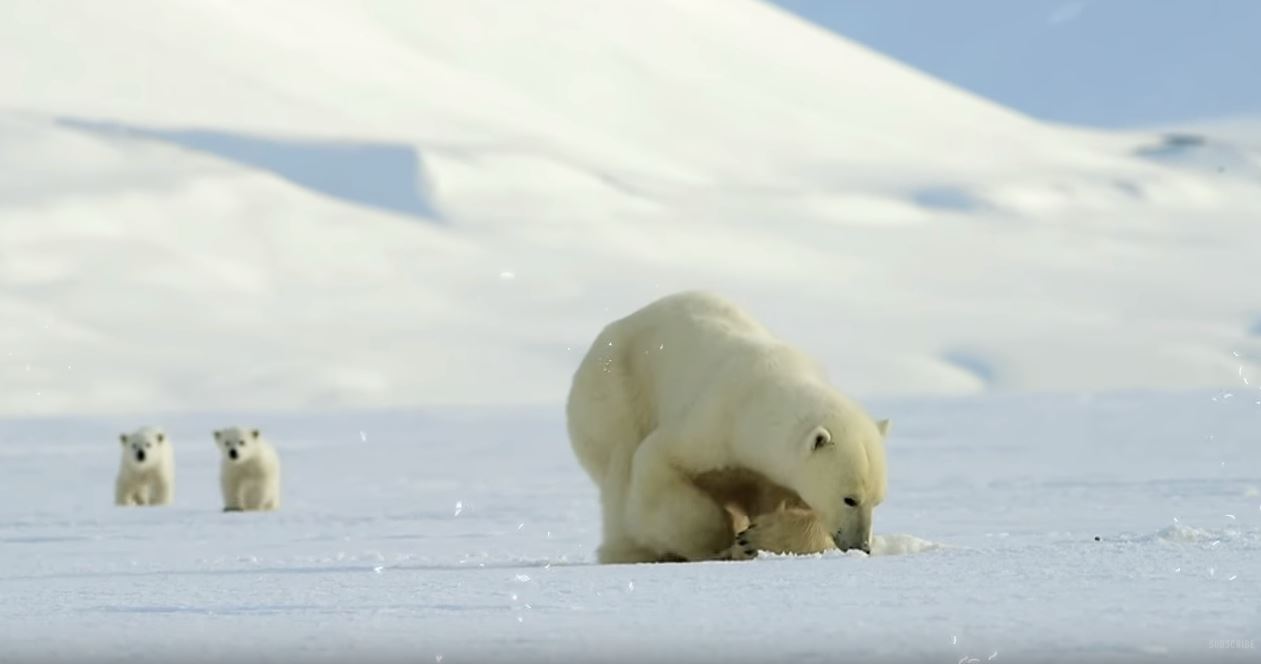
column 1114, row 63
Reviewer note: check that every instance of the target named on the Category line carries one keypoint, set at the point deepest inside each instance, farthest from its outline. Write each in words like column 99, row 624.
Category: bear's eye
column 851, row 502
column 241, row 444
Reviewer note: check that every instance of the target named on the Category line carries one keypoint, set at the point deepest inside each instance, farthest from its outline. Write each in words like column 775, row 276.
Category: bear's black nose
column 140, row 455
column 232, row 453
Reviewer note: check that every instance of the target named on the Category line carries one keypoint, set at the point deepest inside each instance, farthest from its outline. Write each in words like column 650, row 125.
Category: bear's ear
column 122, row 438
column 883, row 427
column 255, row 434
column 161, row 437
column 218, row 435
column 820, row 438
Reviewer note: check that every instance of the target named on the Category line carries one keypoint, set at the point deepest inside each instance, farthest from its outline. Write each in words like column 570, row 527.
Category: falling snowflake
column 459, row 507
column 507, row 275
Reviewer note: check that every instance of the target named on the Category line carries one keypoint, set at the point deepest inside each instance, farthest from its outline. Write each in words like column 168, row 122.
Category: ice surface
column 986, row 543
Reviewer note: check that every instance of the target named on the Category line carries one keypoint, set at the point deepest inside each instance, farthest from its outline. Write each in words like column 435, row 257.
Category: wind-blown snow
column 470, row 534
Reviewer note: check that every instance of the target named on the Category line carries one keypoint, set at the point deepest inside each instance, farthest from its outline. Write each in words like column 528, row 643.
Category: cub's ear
column 254, row 433
column 161, row 437
column 883, row 427
column 218, row 435
column 122, row 438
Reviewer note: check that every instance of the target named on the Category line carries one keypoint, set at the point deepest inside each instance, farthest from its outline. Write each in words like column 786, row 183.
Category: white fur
column 690, row 385
column 150, row 481
column 251, row 480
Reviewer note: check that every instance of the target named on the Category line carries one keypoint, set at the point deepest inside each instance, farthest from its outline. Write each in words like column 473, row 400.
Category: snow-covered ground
column 467, row 536
column 385, row 233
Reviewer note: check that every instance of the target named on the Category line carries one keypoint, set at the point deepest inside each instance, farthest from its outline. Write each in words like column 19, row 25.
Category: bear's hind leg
column 625, row 552
column 616, row 547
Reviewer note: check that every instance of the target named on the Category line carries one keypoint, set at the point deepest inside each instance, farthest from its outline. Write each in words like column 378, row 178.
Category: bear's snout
column 140, row 456
column 839, row 539
column 232, row 454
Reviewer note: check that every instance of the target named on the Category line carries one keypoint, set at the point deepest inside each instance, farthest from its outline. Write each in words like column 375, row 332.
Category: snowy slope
column 405, row 538
column 283, row 205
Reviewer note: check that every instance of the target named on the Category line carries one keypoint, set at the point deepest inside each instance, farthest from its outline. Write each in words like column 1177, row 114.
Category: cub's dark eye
column 241, row 444
column 851, row 502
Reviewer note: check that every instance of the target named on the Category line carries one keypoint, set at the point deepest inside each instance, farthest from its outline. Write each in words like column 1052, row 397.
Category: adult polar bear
column 694, row 420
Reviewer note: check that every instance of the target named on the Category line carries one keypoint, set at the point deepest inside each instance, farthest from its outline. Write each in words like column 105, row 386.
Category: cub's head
column 238, row 444
column 842, row 474
column 143, row 447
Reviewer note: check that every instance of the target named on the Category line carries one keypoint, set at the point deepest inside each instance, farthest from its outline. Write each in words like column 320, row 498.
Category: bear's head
column 840, row 470
column 143, row 447
column 238, row 444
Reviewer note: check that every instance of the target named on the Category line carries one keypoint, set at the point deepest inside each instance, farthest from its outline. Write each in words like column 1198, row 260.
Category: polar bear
column 146, row 473
column 249, row 474
column 694, row 421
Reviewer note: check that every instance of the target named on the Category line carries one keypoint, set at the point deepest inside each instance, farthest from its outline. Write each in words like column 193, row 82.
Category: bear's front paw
column 745, row 547
column 790, row 531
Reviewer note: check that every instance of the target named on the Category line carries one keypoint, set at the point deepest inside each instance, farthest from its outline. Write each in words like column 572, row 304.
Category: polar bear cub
column 249, row 474
column 694, row 421
column 146, row 473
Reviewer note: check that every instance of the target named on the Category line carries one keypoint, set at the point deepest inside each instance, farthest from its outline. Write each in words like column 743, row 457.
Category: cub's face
column 143, row 448
column 237, row 444
column 843, row 476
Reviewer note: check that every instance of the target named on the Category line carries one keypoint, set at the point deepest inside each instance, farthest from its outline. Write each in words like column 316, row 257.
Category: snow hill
column 295, row 205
